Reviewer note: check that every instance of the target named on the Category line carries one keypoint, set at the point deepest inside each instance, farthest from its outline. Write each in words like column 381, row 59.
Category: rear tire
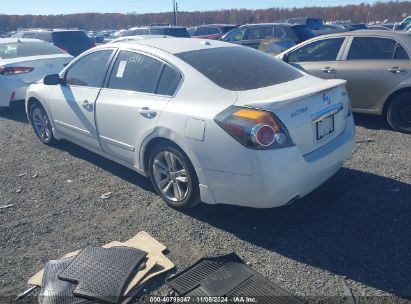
column 399, row 113
column 173, row 176
column 41, row 124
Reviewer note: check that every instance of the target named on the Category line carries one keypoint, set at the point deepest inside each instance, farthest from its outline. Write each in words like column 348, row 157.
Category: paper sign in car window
column 121, row 69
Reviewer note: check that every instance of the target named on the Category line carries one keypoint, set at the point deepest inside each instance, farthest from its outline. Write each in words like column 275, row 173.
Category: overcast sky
column 145, row 6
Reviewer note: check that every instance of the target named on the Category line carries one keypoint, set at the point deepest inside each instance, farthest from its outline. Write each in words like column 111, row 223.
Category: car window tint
column 202, row 31
column 169, row 81
column 400, row 53
column 135, row 72
column 213, row 30
column 279, row 32
column 235, row 35
column 240, row 68
column 89, row 70
column 141, row 32
column 26, row 49
column 255, row 33
column 372, row 48
column 321, row 50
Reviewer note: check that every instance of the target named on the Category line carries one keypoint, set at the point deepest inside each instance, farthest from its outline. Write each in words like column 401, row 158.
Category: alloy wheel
column 41, row 124
column 171, row 176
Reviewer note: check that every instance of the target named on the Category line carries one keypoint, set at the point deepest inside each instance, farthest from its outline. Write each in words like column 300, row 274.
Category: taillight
column 256, row 129
column 6, row 71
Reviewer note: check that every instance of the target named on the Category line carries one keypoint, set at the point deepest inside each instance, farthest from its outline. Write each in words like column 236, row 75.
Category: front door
column 318, row 58
column 128, row 109
column 73, row 104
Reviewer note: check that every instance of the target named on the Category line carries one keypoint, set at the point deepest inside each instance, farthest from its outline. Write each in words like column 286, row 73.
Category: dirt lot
column 356, row 226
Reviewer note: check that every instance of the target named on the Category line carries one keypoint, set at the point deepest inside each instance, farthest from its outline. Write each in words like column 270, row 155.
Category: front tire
column 173, row 176
column 41, row 124
column 399, row 113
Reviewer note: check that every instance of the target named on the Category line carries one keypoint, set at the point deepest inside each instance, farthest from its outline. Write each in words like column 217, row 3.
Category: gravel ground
column 356, row 227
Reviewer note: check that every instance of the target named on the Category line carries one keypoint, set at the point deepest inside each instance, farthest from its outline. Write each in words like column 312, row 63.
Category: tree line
column 379, row 11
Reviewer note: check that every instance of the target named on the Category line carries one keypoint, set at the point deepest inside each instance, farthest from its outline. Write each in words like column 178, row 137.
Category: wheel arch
column 392, row 96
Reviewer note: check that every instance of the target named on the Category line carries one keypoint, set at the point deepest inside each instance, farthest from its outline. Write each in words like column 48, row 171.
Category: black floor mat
column 228, row 276
column 102, row 273
column 55, row 291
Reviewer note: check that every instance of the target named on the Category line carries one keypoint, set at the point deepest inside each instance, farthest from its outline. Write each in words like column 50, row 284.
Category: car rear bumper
column 7, row 89
column 281, row 176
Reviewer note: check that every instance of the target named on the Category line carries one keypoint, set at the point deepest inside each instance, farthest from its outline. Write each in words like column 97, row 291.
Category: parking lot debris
column 69, row 181
column 106, row 196
column 365, row 141
column 22, row 174
column 7, row 206
column 19, row 190
column 156, row 264
column 102, row 273
column 228, row 276
column 25, row 293
column 348, row 293
column 35, row 175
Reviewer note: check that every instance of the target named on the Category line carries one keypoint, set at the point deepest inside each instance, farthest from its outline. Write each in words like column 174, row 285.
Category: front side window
column 90, row 70
column 320, row 50
column 240, row 68
column 366, row 48
column 235, row 35
column 135, row 72
column 256, row 33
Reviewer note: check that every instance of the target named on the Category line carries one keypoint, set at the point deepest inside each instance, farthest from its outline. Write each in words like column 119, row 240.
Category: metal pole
column 175, row 13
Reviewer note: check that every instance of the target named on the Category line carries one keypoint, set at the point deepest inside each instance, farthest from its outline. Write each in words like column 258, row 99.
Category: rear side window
column 366, row 48
column 141, row 32
column 240, row 68
column 321, row 50
column 135, row 72
column 213, row 30
column 71, row 37
column 26, row 49
column 169, row 81
column 303, row 33
column 175, row 32
column 90, row 70
column 235, row 35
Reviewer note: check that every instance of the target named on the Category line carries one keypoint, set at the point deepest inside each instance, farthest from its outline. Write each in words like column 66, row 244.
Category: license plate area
column 324, row 127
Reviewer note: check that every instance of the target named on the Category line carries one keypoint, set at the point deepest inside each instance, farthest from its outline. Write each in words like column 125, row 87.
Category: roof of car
column 362, row 33
column 269, row 24
column 176, row 45
column 216, row 24
column 11, row 40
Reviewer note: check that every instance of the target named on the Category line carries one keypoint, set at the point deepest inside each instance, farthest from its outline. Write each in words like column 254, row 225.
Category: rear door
column 129, row 106
column 319, row 58
column 73, row 104
column 373, row 66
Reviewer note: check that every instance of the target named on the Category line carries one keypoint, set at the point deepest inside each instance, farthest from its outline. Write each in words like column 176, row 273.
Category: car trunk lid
column 312, row 109
column 42, row 66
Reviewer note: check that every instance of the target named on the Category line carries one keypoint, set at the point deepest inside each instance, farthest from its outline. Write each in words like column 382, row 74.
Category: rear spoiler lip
column 279, row 100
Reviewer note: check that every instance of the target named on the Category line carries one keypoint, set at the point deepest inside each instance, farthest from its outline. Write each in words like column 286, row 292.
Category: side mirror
column 53, row 79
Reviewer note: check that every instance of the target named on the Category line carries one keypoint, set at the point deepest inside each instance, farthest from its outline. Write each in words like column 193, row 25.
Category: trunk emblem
column 326, row 99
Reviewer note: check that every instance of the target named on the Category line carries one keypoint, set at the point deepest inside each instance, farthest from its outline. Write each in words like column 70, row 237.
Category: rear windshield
column 26, row 49
column 240, row 68
column 175, row 32
column 71, row 37
column 303, row 32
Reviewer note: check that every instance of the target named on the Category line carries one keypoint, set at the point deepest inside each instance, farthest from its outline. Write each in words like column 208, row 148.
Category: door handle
column 147, row 112
column 328, row 70
column 395, row 70
column 87, row 104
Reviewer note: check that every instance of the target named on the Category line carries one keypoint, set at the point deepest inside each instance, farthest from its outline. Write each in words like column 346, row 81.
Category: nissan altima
column 205, row 120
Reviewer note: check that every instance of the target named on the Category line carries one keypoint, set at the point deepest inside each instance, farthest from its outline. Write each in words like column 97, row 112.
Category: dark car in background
column 164, row 30
column 253, row 34
column 211, row 31
column 73, row 42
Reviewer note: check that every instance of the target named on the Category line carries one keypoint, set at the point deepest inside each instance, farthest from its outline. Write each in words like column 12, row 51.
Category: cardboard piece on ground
column 142, row 241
